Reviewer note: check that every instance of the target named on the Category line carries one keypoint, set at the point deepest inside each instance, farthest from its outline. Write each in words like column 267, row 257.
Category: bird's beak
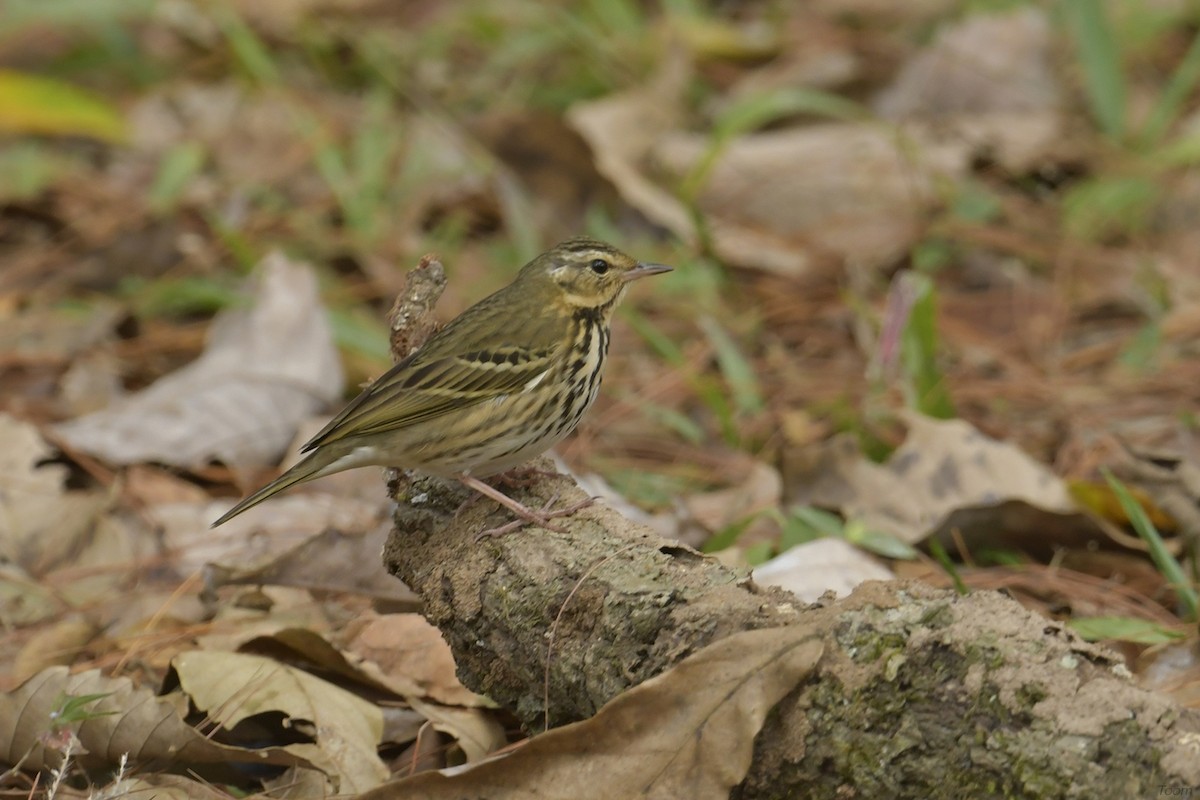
column 643, row 270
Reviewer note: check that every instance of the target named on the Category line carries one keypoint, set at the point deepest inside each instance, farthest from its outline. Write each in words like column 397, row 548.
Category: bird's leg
column 540, row 517
column 525, row 475
column 544, row 512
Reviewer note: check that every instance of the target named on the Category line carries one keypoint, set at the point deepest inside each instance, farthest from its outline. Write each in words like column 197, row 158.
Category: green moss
column 901, row 737
column 891, row 729
column 937, row 617
column 867, row 644
column 990, row 657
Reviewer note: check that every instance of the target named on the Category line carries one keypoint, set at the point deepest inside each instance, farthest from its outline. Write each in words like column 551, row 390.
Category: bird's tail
column 312, row 466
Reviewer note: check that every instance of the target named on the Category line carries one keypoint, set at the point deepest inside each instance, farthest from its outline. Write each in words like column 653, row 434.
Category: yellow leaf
column 32, row 104
column 1100, row 500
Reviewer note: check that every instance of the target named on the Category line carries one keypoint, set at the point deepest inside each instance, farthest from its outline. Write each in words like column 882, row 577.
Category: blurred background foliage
column 153, row 151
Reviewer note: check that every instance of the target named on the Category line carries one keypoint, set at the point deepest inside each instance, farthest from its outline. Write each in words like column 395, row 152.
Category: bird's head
column 586, row 274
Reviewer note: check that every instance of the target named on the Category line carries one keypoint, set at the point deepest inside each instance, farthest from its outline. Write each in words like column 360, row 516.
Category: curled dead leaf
column 265, row 370
column 945, row 470
column 406, row 652
column 232, row 687
column 686, row 733
column 124, row 721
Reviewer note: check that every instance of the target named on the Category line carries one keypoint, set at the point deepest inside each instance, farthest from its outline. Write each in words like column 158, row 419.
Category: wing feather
column 458, row 367
column 419, row 389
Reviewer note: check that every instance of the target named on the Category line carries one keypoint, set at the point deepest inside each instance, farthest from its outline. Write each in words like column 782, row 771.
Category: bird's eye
column 599, row 266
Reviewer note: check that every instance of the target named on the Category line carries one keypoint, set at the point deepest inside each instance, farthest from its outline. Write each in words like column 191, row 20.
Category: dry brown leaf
column 154, row 623
column 252, row 137
column 105, row 561
column 298, row 783
column 145, row 485
column 816, row 53
column 686, row 733
column 148, row 729
column 265, row 369
column 853, row 191
column 57, row 644
column 41, row 524
column 943, row 467
column 23, row 599
column 476, row 731
column 254, row 541
column 331, row 559
column 850, row 191
column 1170, row 478
column 405, row 652
column 401, row 725
column 160, row 786
column 306, row 647
column 625, row 132
column 418, row 665
column 91, row 383
column 981, row 63
column 1173, row 669
column 264, row 611
column 553, row 163
column 230, row 687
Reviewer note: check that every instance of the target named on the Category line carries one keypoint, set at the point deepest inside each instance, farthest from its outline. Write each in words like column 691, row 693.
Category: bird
column 501, row 383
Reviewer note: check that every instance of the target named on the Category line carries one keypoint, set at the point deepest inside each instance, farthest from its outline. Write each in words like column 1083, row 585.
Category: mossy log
column 920, row 692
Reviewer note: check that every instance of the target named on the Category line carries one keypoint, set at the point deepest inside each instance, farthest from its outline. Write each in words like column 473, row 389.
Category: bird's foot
column 526, row 515
column 540, row 517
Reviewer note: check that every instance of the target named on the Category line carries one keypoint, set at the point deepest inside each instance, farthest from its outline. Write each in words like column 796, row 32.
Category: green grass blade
column 1166, row 111
column 1107, row 205
column 1125, row 629
column 178, row 167
column 1167, row 564
column 943, row 558
column 727, row 537
column 251, row 52
column 754, row 111
column 816, row 522
column 662, row 344
column 683, row 425
column 878, row 542
column 1100, row 60
column 176, row 297
column 735, row 367
column 919, row 344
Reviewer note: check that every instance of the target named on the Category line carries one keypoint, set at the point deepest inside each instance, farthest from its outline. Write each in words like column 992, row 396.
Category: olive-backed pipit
column 503, row 382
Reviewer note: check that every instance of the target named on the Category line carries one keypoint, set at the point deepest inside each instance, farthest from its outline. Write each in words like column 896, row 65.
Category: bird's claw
column 540, row 517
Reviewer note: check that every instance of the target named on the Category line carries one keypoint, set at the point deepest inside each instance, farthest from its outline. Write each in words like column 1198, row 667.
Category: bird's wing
column 433, row 382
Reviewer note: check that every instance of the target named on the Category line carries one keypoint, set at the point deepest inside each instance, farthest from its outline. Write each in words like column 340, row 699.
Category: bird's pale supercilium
column 503, row 382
